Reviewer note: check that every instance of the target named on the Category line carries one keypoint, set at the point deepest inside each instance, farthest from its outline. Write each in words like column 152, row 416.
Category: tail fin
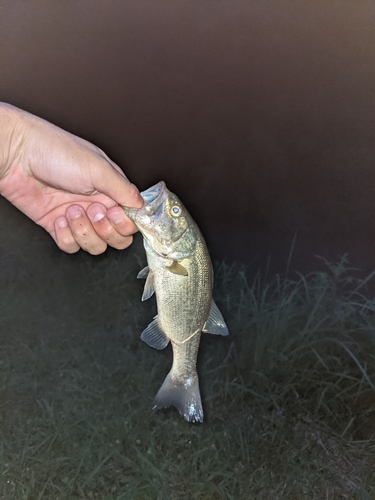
column 183, row 394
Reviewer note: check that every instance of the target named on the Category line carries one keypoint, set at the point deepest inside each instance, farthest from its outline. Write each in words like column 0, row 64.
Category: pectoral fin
column 149, row 286
column 215, row 323
column 154, row 336
column 143, row 274
column 177, row 268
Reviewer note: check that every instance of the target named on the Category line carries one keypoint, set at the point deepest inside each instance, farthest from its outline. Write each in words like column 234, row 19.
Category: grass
column 289, row 396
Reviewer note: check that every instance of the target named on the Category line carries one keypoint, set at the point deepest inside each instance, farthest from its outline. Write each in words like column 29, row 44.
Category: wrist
column 11, row 137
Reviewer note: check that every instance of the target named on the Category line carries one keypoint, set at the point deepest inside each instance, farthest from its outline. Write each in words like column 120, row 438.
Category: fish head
column 166, row 225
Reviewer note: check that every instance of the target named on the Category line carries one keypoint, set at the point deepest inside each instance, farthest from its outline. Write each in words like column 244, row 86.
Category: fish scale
column 180, row 273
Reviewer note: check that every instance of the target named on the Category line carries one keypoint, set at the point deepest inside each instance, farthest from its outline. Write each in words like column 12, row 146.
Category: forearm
column 12, row 132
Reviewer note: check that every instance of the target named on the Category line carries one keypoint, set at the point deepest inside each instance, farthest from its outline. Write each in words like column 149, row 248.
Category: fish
column 180, row 273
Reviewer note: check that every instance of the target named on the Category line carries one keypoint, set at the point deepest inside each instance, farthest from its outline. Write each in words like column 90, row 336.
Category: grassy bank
column 289, row 396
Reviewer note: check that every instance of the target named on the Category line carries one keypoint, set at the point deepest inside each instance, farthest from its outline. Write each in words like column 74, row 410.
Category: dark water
column 259, row 114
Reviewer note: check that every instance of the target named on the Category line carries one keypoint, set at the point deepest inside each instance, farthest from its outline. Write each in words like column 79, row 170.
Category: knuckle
column 134, row 194
column 124, row 243
column 106, row 232
column 127, row 228
column 70, row 250
column 68, row 246
column 96, row 249
column 81, row 230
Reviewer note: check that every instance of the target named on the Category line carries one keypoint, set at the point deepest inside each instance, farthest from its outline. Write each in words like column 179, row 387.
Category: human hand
column 64, row 183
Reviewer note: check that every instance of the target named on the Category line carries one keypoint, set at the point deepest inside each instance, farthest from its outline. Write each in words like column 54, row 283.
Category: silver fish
column 180, row 273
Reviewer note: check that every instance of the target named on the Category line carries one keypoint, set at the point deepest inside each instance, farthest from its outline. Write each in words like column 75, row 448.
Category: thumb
column 111, row 181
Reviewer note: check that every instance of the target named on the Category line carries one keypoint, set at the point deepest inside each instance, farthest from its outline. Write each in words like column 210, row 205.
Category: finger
column 116, row 234
column 120, row 221
column 63, row 236
column 83, row 231
column 112, row 182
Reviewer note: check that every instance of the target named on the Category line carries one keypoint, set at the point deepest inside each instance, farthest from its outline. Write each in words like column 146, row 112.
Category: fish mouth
column 155, row 194
column 155, row 224
column 154, row 197
column 145, row 218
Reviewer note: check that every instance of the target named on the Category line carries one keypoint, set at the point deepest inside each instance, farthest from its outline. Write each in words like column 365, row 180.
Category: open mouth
column 154, row 196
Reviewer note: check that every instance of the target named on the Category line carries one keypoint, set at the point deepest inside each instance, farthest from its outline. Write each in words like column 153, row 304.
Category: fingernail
column 61, row 222
column 96, row 215
column 74, row 212
column 116, row 217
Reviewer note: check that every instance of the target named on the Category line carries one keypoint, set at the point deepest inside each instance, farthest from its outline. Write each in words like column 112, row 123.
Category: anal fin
column 215, row 323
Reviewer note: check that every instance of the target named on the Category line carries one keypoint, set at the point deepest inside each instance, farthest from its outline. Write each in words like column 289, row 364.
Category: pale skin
column 64, row 183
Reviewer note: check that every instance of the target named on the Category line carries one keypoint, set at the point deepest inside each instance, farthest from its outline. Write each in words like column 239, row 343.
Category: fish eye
column 175, row 211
